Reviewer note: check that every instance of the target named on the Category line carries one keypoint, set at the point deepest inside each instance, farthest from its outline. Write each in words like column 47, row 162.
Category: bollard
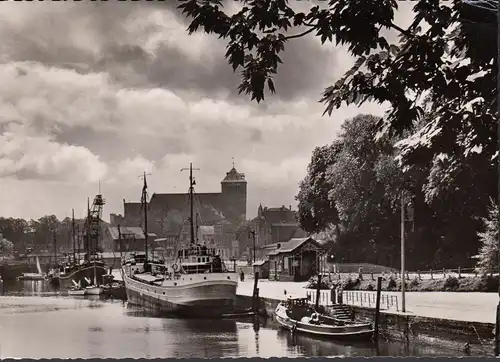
column 318, row 291
column 255, row 295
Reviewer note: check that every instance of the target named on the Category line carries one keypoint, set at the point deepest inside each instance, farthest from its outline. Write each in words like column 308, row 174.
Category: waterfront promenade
column 470, row 306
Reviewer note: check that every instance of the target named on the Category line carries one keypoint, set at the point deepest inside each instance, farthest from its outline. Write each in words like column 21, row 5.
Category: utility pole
column 252, row 234
column 403, row 302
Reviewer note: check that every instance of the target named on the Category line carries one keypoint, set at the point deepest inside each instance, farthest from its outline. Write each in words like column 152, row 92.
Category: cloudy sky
column 95, row 92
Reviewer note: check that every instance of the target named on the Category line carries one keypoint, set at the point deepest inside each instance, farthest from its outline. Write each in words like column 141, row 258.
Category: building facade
column 272, row 225
column 168, row 213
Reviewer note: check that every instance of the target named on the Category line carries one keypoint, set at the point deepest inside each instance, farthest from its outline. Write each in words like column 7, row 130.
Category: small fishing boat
column 77, row 289
column 77, row 292
column 296, row 315
column 94, row 290
column 33, row 276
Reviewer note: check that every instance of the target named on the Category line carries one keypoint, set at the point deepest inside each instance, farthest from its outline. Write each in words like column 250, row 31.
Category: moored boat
column 77, row 292
column 296, row 315
column 94, row 290
column 195, row 283
column 91, row 267
column 31, row 276
column 76, row 289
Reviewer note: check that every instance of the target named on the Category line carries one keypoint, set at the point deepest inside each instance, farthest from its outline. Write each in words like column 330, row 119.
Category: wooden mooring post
column 255, row 295
column 318, row 291
column 377, row 308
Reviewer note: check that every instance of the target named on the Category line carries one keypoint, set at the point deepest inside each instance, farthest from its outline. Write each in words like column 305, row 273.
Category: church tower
column 234, row 195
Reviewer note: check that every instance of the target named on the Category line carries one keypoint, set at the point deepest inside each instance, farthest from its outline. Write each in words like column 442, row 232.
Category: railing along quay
column 328, row 298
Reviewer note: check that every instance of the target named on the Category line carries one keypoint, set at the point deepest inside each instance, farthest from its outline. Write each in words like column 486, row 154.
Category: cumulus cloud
column 37, row 157
column 105, row 91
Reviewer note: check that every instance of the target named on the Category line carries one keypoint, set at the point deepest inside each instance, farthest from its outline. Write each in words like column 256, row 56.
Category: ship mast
column 88, row 228
column 191, row 219
column 55, row 248
column 73, row 232
column 144, row 200
column 191, row 200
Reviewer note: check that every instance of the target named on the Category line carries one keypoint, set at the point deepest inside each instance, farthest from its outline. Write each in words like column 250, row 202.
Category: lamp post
column 251, row 234
column 403, row 301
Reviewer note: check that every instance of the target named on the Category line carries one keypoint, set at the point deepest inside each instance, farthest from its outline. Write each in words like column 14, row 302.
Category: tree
column 6, row 246
column 316, row 212
column 348, row 187
column 488, row 254
column 435, row 57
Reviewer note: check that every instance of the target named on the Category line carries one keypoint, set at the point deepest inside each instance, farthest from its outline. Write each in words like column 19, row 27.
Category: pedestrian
column 242, row 275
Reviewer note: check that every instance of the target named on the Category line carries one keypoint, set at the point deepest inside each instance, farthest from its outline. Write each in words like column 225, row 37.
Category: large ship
column 195, row 282
column 90, row 267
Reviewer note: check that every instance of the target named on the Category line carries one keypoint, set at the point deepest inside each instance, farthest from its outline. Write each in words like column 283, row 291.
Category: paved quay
column 469, row 307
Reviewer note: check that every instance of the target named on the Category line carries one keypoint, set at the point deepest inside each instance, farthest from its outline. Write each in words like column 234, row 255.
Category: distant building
column 272, row 225
column 132, row 239
column 296, row 260
column 168, row 212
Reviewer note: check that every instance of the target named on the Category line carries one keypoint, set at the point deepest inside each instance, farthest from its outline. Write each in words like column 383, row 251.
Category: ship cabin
column 199, row 259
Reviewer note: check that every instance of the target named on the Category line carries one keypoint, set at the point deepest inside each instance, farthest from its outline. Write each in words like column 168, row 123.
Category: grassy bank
column 484, row 283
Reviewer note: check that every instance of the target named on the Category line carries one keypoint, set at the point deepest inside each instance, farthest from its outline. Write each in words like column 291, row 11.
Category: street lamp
column 251, row 234
column 403, row 301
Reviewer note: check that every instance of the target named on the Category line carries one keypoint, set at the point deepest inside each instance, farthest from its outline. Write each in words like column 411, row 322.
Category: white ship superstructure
column 195, row 283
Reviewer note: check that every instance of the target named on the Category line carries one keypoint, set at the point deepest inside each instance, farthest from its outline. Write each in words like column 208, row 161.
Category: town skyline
column 81, row 105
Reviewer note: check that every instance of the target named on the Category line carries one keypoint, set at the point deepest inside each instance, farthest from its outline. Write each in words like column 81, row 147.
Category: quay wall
column 476, row 337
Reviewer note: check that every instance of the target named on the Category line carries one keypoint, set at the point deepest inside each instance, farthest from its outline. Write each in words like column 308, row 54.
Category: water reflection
column 95, row 328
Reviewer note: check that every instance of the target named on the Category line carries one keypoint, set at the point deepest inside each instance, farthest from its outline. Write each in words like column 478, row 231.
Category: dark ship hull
column 78, row 275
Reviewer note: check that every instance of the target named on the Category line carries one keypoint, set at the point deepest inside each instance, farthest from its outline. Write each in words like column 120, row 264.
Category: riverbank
column 450, row 283
column 459, row 321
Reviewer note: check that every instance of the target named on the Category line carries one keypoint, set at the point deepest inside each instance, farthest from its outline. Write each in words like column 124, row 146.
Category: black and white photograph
column 249, row 178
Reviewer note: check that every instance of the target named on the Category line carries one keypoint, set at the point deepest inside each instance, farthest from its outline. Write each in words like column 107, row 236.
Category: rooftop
column 234, row 176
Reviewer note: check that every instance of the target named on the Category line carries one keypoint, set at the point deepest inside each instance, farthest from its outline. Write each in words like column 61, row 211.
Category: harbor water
column 37, row 322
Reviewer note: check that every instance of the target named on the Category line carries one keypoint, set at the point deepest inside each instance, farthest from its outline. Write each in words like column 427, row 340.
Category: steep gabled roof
column 292, row 245
column 127, row 232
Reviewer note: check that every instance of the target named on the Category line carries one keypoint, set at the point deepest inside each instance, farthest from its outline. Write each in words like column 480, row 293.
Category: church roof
column 234, row 176
column 207, row 205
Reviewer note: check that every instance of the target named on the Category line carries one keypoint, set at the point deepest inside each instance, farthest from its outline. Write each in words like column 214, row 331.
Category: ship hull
column 204, row 299
column 65, row 281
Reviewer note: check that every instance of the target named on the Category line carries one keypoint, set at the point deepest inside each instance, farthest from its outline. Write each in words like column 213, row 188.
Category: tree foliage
column 348, row 187
column 39, row 233
column 488, row 253
column 354, row 187
column 439, row 78
column 447, row 54
column 6, row 246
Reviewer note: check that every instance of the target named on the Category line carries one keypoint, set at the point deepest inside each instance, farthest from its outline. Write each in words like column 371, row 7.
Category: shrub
column 325, row 283
column 451, row 283
column 490, row 283
column 351, row 284
column 391, row 285
column 415, row 282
